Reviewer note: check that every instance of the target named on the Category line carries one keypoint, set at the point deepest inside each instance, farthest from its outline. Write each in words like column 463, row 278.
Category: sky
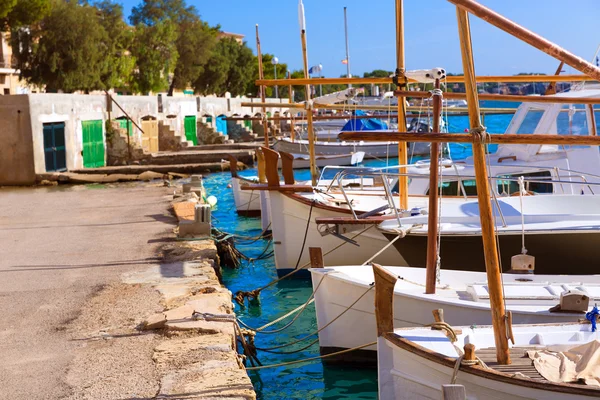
column 430, row 32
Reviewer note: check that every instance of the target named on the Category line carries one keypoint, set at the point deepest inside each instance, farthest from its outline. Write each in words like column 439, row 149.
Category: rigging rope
column 521, row 192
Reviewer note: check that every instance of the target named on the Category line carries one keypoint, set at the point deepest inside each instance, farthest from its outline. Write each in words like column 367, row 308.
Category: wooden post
column 316, row 257
column 453, row 392
column 271, row 161
column 261, row 75
column 528, row 36
column 432, row 218
column 291, row 97
column 262, row 176
column 232, row 165
column 384, row 299
column 309, row 109
column 492, row 266
column 287, row 167
column 400, row 69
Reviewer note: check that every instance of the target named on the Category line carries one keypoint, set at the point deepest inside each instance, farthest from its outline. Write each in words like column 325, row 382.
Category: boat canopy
column 371, row 124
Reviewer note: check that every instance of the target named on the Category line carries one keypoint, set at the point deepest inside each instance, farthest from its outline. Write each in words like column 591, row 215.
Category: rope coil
column 479, row 133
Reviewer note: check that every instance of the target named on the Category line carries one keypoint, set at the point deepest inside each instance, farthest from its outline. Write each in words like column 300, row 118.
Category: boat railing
column 388, row 175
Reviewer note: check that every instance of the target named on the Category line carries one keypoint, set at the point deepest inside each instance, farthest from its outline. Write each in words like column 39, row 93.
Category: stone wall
column 121, row 152
column 16, row 143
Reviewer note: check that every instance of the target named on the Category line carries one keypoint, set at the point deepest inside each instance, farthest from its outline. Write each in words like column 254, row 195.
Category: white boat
column 462, row 295
column 559, row 230
column 303, row 160
column 416, row 363
column 371, row 149
column 247, row 203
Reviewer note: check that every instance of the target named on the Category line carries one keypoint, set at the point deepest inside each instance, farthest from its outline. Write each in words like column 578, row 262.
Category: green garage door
column 189, row 125
column 93, row 144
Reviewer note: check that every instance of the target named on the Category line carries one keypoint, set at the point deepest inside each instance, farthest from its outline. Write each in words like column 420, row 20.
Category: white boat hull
column 371, row 149
column 289, row 224
column 247, row 202
column 303, row 160
column 405, row 375
column 342, row 286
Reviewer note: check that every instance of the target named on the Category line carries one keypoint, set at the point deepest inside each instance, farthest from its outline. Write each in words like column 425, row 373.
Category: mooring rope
column 240, row 295
column 371, row 286
column 299, row 309
column 311, row 358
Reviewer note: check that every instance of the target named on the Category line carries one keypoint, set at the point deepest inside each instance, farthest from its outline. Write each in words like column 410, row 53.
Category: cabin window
column 508, row 187
column 530, row 122
column 452, row 188
column 572, row 120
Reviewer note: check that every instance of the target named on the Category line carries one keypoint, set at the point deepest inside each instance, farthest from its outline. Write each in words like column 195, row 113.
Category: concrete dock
column 83, row 271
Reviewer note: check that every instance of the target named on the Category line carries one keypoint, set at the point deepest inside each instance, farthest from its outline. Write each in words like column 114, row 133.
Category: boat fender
column 572, row 301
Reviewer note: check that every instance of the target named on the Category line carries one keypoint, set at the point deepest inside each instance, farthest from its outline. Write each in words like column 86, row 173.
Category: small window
column 453, row 188
column 572, row 120
column 530, row 122
column 508, row 187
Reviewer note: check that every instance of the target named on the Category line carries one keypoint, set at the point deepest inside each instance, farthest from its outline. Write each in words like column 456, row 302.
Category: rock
column 204, row 250
column 149, row 175
column 156, row 321
column 185, row 210
column 201, row 326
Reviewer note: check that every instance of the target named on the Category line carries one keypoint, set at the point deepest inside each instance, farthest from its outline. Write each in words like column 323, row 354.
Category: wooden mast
column 291, row 97
column 551, row 89
column 400, row 69
column 432, row 218
column 262, row 88
column 490, row 251
column 528, row 36
column 309, row 109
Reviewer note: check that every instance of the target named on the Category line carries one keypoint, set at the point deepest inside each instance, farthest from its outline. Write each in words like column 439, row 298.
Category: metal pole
column 276, row 87
column 347, row 48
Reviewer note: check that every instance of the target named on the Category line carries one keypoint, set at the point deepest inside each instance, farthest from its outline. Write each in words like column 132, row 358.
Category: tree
column 268, row 73
column 65, row 51
column 194, row 45
column 118, row 41
column 192, row 39
column 17, row 13
column 156, row 56
column 228, row 70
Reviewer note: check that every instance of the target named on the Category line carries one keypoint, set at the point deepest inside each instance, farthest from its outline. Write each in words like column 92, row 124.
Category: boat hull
column 555, row 253
column 371, row 149
column 334, row 294
column 247, row 202
column 403, row 374
column 289, row 220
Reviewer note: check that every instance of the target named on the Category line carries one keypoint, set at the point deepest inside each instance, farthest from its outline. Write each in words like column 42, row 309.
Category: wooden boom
column 506, row 97
column 387, row 136
column 449, row 79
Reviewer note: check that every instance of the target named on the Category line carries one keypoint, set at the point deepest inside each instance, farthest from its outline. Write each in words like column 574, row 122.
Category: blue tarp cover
column 370, row 124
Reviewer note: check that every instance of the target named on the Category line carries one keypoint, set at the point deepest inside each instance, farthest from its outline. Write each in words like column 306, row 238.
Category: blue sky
column 430, row 31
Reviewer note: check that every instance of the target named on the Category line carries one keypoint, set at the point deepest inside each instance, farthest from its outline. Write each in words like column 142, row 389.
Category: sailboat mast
column 400, row 68
column 309, row 110
column 433, row 216
column 347, row 47
column 261, row 75
column 490, row 251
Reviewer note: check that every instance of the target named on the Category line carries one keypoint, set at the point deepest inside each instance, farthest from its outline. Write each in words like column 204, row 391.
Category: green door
column 93, row 144
column 189, row 125
column 54, row 147
column 126, row 124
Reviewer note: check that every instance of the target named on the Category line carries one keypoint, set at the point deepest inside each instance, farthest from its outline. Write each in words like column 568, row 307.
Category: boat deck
column 521, row 363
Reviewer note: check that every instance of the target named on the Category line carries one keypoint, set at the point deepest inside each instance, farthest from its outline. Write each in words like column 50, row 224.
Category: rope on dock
column 311, row 358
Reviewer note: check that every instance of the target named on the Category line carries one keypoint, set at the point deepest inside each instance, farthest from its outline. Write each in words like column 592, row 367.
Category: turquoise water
column 299, row 381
